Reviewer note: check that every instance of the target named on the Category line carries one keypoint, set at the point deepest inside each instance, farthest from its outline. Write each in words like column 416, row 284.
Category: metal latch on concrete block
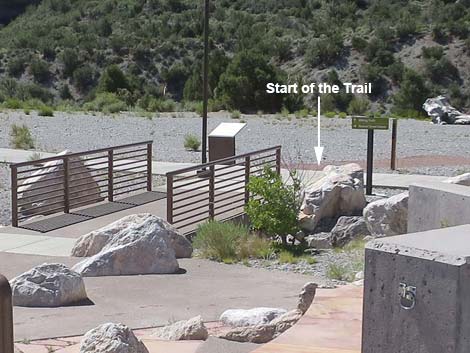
column 407, row 296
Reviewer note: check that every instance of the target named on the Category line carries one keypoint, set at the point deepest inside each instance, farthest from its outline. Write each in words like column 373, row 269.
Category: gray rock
column 319, row 241
column 463, row 179
column 146, row 255
column 111, row 338
column 347, row 229
column 48, row 285
column 339, row 193
column 253, row 334
column 48, row 179
column 388, row 216
column 127, row 230
column 250, row 317
column 306, row 297
column 192, row 329
column 286, row 321
column 441, row 112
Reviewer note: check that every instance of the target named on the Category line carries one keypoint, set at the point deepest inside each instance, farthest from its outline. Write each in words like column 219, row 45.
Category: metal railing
column 6, row 317
column 216, row 190
column 73, row 180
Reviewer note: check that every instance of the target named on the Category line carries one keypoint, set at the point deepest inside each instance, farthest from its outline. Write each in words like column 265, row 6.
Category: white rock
column 441, row 112
column 48, row 180
column 48, row 285
column 358, row 283
column 339, row 193
column 388, row 216
column 127, row 230
column 250, row 317
column 145, row 255
column 359, row 275
column 111, row 338
column 192, row 329
column 463, row 179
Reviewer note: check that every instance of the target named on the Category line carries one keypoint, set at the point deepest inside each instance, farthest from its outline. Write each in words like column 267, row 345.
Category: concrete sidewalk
column 35, row 244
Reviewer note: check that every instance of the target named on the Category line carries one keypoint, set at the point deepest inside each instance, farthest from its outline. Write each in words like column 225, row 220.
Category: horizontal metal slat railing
column 216, row 190
column 62, row 183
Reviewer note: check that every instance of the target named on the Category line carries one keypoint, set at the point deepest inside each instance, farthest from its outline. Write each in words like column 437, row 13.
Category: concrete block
column 436, row 263
column 434, row 205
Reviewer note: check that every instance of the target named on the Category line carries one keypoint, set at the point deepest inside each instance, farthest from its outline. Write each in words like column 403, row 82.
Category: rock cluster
column 111, row 338
column 441, row 112
column 48, row 285
column 136, row 244
column 339, row 193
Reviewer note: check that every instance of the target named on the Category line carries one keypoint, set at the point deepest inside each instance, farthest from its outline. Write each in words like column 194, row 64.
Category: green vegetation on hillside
column 114, row 55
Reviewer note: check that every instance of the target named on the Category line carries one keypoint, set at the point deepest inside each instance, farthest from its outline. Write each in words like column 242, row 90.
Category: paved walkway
column 331, row 325
column 35, row 244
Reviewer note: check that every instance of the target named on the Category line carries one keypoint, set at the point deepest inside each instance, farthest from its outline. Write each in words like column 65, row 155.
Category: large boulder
column 347, row 229
column 388, row 216
column 145, row 255
column 463, row 179
column 48, row 285
column 192, row 329
column 49, row 179
column 441, row 112
column 250, row 317
column 339, row 193
column 127, row 230
column 111, row 338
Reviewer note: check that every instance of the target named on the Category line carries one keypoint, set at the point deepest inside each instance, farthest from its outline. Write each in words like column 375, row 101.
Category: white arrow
column 319, row 149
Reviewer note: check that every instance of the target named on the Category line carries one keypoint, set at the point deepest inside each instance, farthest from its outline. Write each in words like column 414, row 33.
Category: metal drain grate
column 53, row 223
column 102, row 210
column 142, row 199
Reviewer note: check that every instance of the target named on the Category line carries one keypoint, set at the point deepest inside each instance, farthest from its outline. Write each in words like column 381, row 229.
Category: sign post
column 370, row 124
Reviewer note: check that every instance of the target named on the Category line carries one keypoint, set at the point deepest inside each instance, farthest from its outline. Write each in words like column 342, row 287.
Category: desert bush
column 358, row 106
column 70, row 61
column 235, row 114
column 16, row 66
column 229, row 242
column 112, row 80
column 192, row 142
column 413, row 92
column 107, row 103
column 84, row 77
column 274, row 205
column 45, row 111
column 433, row 52
column 161, row 105
column 325, row 50
column 21, row 137
column 40, row 70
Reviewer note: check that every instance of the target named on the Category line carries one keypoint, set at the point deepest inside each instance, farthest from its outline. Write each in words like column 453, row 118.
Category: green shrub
column 161, row 105
column 413, row 92
column 40, row 70
column 331, row 115
column 84, row 77
column 358, row 106
column 229, row 242
column 70, row 61
column 338, row 272
column 325, row 50
column 46, row 111
column 13, row 103
column 274, row 205
column 433, row 52
column 113, row 79
column 16, row 66
column 192, row 142
column 21, row 137
column 235, row 114
column 107, row 103
column 301, row 114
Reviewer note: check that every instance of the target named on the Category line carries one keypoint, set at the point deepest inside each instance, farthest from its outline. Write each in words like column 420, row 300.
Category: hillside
column 119, row 54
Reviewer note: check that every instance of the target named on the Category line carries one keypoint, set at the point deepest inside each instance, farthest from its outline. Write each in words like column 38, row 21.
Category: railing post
column 149, row 167
column 393, row 158
column 66, row 185
column 169, row 198
column 6, row 317
column 111, row 175
column 247, row 178
column 212, row 192
column 278, row 161
column 14, row 196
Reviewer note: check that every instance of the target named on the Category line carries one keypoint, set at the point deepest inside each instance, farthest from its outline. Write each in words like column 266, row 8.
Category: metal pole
column 393, row 158
column 111, row 175
column 169, row 199
column 205, row 81
column 149, row 168
column 370, row 160
column 66, row 185
column 14, row 196
column 6, row 317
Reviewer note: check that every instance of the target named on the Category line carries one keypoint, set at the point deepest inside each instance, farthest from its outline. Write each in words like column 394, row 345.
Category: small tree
column 113, row 79
column 274, row 205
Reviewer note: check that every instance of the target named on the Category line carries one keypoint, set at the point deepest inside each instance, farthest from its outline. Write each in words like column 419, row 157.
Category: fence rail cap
column 221, row 161
column 78, row 154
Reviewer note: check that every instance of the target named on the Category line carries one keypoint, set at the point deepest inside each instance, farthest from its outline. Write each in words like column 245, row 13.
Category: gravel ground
column 79, row 131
